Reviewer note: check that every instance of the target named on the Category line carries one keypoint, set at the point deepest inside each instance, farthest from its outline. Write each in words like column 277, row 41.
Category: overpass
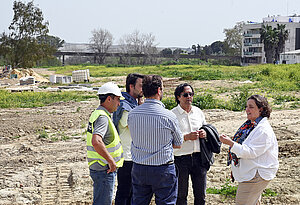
column 122, row 55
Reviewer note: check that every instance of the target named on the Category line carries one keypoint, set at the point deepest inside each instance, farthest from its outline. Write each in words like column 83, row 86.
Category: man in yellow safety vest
column 104, row 149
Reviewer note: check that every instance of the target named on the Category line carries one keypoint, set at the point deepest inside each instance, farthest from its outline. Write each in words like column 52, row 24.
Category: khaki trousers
column 249, row 192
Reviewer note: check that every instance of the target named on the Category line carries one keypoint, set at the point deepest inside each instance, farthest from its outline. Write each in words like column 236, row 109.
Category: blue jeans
column 191, row 165
column 103, row 186
column 158, row 180
column 124, row 190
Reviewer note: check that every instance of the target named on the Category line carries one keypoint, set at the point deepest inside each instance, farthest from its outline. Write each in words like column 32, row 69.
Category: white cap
column 109, row 87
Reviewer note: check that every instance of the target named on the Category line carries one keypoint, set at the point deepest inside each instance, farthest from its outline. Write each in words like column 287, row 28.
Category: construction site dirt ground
column 54, row 170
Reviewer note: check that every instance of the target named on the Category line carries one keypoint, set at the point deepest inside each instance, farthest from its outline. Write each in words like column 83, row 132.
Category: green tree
column 53, row 41
column 282, row 37
column 217, row 47
column 274, row 41
column 166, row 52
column 234, row 39
column 269, row 38
column 177, row 51
column 207, row 50
column 26, row 44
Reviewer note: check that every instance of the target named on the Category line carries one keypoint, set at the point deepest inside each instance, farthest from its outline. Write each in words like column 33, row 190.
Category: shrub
column 238, row 101
column 205, row 101
column 169, row 103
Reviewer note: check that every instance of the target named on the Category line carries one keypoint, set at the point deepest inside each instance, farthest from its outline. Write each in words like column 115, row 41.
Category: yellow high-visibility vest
column 114, row 148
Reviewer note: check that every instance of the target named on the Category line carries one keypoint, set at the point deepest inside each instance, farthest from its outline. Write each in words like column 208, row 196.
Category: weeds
column 42, row 134
column 238, row 101
column 169, row 103
column 271, row 77
column 279, row 99
column 83, row 125
column 84, row 133
column 268, row 79
column 54, row 139
column 38, row 99
column 269, row 193
column 229, row 190
column 65, row 138
column 208, row 101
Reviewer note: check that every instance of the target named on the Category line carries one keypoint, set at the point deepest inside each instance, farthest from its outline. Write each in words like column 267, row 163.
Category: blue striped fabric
column 154, row 130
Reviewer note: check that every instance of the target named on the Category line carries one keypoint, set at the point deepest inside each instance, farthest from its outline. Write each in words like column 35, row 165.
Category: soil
column 43, row 153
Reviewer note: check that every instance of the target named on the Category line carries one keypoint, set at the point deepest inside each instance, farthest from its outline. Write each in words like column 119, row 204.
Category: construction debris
column 27, row 80
column 81, row 75
column 27, row 73
column 5, row 71
column 60, row 79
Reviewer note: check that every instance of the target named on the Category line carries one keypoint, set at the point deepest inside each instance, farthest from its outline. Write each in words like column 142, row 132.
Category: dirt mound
column 21, row 73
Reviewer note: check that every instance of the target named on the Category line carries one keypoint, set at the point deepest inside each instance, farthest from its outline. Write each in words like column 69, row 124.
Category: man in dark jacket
column 133, row 97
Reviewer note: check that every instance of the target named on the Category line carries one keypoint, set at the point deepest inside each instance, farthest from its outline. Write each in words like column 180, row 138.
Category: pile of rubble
column 27, row 76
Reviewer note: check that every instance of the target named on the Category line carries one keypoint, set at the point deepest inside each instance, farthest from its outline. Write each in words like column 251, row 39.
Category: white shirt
column 125, row 136
column 259, row 152
column 189, row 122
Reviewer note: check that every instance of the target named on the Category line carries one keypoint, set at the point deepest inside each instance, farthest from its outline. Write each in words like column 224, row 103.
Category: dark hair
column 150, row 85
column 262, row 102
column 179, row 89
column 102, row 98
column 131, row 80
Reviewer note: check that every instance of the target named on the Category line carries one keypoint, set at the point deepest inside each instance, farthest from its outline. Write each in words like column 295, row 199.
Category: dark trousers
column 124, row 190
column 159, row 180
column 191, row 165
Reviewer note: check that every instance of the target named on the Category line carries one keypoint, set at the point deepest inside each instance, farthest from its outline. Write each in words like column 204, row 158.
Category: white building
column 253, row 48
column 290, row 57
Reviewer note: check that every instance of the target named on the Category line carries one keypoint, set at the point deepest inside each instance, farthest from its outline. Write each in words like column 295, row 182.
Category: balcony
column 257, row 44
column 253, row 54
column 248, row 53
column 256, row 35
column 257, row 54
column 247, row 34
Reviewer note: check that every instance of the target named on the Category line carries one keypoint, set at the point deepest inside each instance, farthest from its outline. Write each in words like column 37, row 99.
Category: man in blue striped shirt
column 154, row 132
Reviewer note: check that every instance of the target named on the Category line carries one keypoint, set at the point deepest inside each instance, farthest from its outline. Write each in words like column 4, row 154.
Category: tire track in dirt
column 56, row 187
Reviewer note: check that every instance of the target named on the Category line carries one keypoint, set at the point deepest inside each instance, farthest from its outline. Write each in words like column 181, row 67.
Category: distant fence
column 124, row 55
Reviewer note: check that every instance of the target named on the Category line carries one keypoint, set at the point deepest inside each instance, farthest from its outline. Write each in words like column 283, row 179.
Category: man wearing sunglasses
column 188, row 158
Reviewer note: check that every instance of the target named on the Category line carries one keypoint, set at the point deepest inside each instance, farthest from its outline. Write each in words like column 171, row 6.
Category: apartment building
column 253, row 48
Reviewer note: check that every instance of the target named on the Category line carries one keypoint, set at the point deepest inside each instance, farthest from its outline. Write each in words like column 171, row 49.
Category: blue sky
column 172, row 22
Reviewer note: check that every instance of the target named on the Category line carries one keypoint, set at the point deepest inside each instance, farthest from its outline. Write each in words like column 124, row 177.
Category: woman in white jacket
column 253, row 152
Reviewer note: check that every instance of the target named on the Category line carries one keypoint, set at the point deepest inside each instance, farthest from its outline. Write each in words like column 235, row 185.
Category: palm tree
column 282, row 37
column 195, row 48
column 269, row 38
column 274, row 41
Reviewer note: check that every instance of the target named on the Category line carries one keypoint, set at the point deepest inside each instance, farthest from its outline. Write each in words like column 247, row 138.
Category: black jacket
column 209, row 145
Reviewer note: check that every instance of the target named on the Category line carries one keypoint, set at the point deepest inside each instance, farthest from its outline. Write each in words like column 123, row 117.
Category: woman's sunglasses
column 187, row 94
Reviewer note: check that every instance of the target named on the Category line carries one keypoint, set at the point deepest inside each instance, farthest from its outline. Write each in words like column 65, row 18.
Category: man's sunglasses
column 187, row 94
